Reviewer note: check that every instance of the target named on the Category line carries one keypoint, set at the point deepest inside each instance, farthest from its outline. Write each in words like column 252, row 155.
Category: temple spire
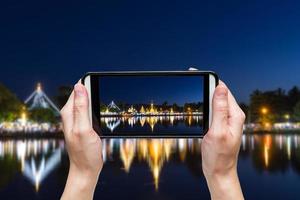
column 38, row 99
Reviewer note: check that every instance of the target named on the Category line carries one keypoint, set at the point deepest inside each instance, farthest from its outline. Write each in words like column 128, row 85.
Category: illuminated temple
column 113, row 109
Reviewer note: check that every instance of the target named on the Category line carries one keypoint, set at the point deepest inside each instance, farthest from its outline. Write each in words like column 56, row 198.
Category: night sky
column 155, row 89
column 250, row 44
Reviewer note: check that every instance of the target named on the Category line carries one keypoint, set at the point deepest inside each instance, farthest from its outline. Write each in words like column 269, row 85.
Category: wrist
column 215, row 176
column 224, row 186
column 85, row 175
column 80, row 184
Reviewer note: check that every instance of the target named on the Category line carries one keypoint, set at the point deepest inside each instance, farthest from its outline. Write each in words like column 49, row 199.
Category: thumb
column 81, row 109
column 220, row 109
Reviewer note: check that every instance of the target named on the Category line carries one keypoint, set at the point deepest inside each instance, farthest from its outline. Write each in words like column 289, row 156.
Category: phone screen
column 151, row 105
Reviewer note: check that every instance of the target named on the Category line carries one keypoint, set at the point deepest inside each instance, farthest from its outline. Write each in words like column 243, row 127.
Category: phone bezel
column 90, row 80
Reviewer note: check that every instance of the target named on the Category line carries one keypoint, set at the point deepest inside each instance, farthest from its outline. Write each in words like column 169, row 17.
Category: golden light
column 167, row 144
column 182, row 147
column 142, row 148
column 267, row 125
column 264, row 110
column 190, row 120
column 142, row 121
column 142, row 110
column 287, row 116
column 152, row 109
column 152, row 121
column 39, row 87
column 23, row 118
column 156, row 159
column 172, row 119
column 131, row 109
column 127, row 152
column 171, row 111
column 267, row 146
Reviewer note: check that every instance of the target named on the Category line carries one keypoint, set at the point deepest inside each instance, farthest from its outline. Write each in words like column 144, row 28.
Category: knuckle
column 240, row 117
column 84, row 130
column 221, row 106
column 79, row 105
column 243, row 116
column 78, row 108
column 218, row 135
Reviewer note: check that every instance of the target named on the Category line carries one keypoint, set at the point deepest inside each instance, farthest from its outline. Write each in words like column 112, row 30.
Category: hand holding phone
column 220, row 146
column 150, row 103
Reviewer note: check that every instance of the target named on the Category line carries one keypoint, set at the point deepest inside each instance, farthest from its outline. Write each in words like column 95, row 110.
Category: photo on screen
column 151, row 105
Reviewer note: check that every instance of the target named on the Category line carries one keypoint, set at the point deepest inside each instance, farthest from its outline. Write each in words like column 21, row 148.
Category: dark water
column 269, row 168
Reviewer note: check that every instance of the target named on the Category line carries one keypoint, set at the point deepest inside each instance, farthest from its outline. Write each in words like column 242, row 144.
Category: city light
column 287, row 116
column 264, row 110
column 151, row 110
column 23, row 118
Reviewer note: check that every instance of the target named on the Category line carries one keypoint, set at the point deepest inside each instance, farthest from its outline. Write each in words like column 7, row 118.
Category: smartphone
column 150, row 104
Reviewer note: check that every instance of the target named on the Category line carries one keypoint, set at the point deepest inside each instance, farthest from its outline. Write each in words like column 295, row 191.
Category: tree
column 293, row 97
column 176, row 108
column 103, row 107
column 165, row 105
column 10, row 105
column 42, row 115
column 275, row 101
column 296, row 115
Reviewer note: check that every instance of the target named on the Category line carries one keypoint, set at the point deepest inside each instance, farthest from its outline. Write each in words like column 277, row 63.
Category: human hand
column 220, row 146
column 83, row 146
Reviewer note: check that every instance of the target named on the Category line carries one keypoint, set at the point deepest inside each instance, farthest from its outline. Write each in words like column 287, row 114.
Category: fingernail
column 222, row 92
column 78, row 90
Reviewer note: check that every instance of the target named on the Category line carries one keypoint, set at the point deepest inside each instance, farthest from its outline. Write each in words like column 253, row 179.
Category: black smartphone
column 145, row 104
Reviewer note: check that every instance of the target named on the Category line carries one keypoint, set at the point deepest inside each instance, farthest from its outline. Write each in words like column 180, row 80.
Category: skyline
column 250, row 45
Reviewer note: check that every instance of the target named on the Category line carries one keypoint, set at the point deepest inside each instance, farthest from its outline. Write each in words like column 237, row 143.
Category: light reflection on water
column 168, row 121
column 36, row 159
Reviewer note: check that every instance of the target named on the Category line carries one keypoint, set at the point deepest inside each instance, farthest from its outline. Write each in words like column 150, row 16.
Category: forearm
column 79, row 186
column 225, row 187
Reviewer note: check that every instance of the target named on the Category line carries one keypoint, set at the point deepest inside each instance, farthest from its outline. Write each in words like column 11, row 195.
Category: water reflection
column 37, row 159
column 154, row 152
column 273, row 153
column 112, row 122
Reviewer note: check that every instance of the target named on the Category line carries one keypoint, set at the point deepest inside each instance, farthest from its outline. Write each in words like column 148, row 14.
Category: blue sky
column 155, row 89
column 250, row 44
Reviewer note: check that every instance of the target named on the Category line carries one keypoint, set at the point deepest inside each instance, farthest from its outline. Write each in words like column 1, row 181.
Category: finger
column 236, row 116
column 67, row 114
column 81, row 109
column 233, row 106
column 220, row 109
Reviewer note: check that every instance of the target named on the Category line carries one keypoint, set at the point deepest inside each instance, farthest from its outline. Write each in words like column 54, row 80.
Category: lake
column 269, row 168
column 152, row 125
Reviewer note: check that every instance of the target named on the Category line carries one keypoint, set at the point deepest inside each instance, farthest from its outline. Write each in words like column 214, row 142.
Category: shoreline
column 60, row 135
